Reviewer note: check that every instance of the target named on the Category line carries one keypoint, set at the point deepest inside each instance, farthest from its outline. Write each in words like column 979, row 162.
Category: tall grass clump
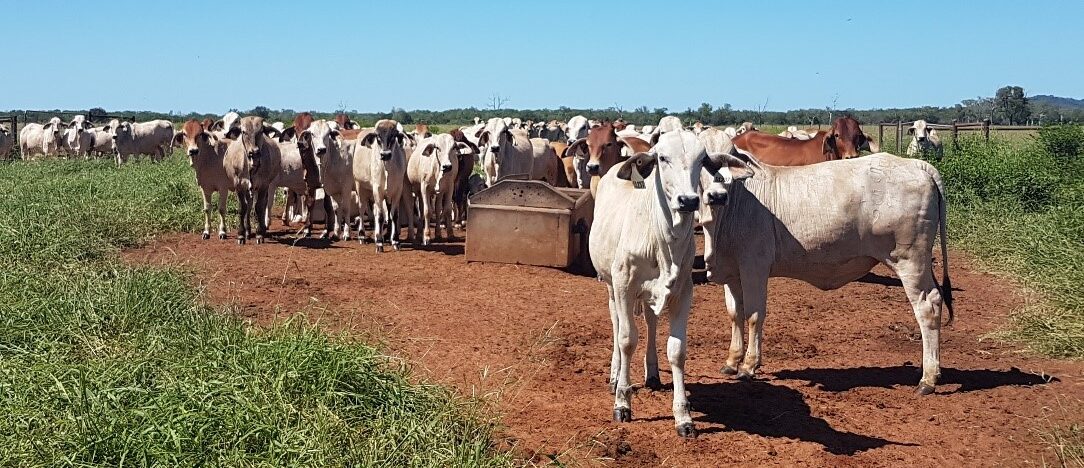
column 104, row 364
column 1020, row 208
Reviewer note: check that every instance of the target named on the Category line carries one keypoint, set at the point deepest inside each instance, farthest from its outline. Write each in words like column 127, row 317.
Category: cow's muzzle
column 494, row 149
column 688, row 202
column 385, row 155
column 321, row 151
column 193, row 151
column 445, row 167
column 922, row 139
column 717, row 198
column 593, row 169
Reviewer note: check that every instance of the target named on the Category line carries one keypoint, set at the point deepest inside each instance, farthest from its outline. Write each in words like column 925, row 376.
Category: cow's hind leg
column 736, row 313
column 651, row 355
column 925, row 297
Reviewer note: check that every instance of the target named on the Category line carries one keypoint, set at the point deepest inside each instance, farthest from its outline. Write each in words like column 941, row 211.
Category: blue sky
column 370, row 56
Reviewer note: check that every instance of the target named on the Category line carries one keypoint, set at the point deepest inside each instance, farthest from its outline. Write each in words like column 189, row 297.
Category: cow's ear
column 478, row 134
column 911, row 130
column 830, row 145
column 368, row 140
column 289, row 133
column 738, row 168
column 466, row 147
column 575, row 147
column 271, row 131
column 217, row 125
column 429, row 149
column 233, row 133
column 641, row 163
column 178, row 138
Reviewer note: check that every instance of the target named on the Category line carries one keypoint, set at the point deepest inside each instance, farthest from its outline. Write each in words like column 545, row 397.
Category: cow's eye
column 665, row 159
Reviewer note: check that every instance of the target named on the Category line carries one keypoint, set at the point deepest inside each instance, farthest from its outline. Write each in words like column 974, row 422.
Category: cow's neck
column 675, row 234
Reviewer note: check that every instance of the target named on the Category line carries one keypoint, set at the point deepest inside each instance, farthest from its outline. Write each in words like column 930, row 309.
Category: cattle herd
column 802, row 204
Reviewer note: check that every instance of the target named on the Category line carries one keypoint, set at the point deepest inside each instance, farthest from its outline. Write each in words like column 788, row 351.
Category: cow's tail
column 946, row 285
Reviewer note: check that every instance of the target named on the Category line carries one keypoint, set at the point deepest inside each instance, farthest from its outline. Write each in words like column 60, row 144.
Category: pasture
column 128, row 339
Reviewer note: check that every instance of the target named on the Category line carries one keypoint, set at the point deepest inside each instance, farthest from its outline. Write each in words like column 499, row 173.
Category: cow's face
column 920, row 130
column 845, row 139
column 495, row 131
column 122, row 131
column 384, row 139
column 323, row 136
column 602, row 146
column 675, row 163
column 724, row 170
column 251, row 132
column 191, row 137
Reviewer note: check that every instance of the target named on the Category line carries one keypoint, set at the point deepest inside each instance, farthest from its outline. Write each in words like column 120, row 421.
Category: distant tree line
column 1009, row 106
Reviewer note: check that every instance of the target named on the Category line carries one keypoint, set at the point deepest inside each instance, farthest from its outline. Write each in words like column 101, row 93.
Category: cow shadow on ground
column 874, row 278
column 455, row 249
column 841, row 380
column 307, row 242
column 768, row 410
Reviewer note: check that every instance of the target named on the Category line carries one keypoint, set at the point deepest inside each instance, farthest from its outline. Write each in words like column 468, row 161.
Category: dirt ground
column 836, row 387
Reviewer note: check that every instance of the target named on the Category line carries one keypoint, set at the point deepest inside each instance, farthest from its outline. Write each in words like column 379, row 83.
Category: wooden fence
column 954, row 129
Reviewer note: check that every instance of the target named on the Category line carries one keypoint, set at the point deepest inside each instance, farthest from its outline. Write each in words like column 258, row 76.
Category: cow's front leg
column 754, row 302
column 736, row 313
column 626, row 339
column 206, row 213
column 676, row 348
column 615, row 358
column 222, row 213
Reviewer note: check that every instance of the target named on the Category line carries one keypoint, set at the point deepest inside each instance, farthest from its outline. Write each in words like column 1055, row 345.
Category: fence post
column 17, row 149
column 881, row 134
column 899, row 135
column 955, row 134
column 986, row 129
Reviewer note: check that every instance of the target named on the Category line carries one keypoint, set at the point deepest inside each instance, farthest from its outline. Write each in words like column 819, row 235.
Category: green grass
column 104, row 364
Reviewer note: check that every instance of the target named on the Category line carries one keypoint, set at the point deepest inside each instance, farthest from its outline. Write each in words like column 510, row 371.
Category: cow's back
column 779, row 151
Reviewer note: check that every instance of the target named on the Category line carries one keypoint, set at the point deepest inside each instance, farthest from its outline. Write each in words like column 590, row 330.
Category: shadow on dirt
column 768, row 410
column 307, row 242
column 446, row 249
column 841, row 380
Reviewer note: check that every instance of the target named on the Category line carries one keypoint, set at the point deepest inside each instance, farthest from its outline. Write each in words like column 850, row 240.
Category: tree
column 497, row 102
column 260, row 111
column 1011, row 105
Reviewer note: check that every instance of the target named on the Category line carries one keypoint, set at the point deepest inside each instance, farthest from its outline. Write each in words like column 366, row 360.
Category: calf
column 467, row 161
column 44, row 139
column 844, row 140
column 6, row 142
column 604, row 150
column 152, row 138
column 924, row 141
column 205, row 154
column 642, row 246
column 252, row 162
column 827, row 224
column 379, row 168
column 432, row 173
column 507, row 151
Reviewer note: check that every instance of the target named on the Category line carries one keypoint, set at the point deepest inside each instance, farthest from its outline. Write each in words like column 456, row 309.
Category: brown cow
column 844, row 140
column 344, row 121
column 604, row 149
column 422, row 131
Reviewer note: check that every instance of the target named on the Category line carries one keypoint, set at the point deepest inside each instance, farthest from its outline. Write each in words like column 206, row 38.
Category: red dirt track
column 836, row 387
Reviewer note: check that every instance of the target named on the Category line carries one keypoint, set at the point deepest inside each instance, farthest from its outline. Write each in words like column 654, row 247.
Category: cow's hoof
column 259, row 240
column 395, row 247
column 240, row 240
column 727, row 370
column 924, row 389
column 222, row 236
column 653, row 383
column 323, row 235
column 744, row 376
column 379, row 248
column 426, row 242
column 206, row 235
column 622, row 415
column 687, row 431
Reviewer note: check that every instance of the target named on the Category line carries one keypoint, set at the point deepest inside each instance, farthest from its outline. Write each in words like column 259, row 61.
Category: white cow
column 252, row 162
column 577, row 128
column 103, row 141
column 336, row 175
column 78, row 141
column 44, row 139
column 507, row 151
column 924, row 140
column 154, row 138
column 828, row 225
column 642, row 246
column 6, row 142
column 228, row 121
column 431, row 173
column 794, row 133
column 380, row 166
